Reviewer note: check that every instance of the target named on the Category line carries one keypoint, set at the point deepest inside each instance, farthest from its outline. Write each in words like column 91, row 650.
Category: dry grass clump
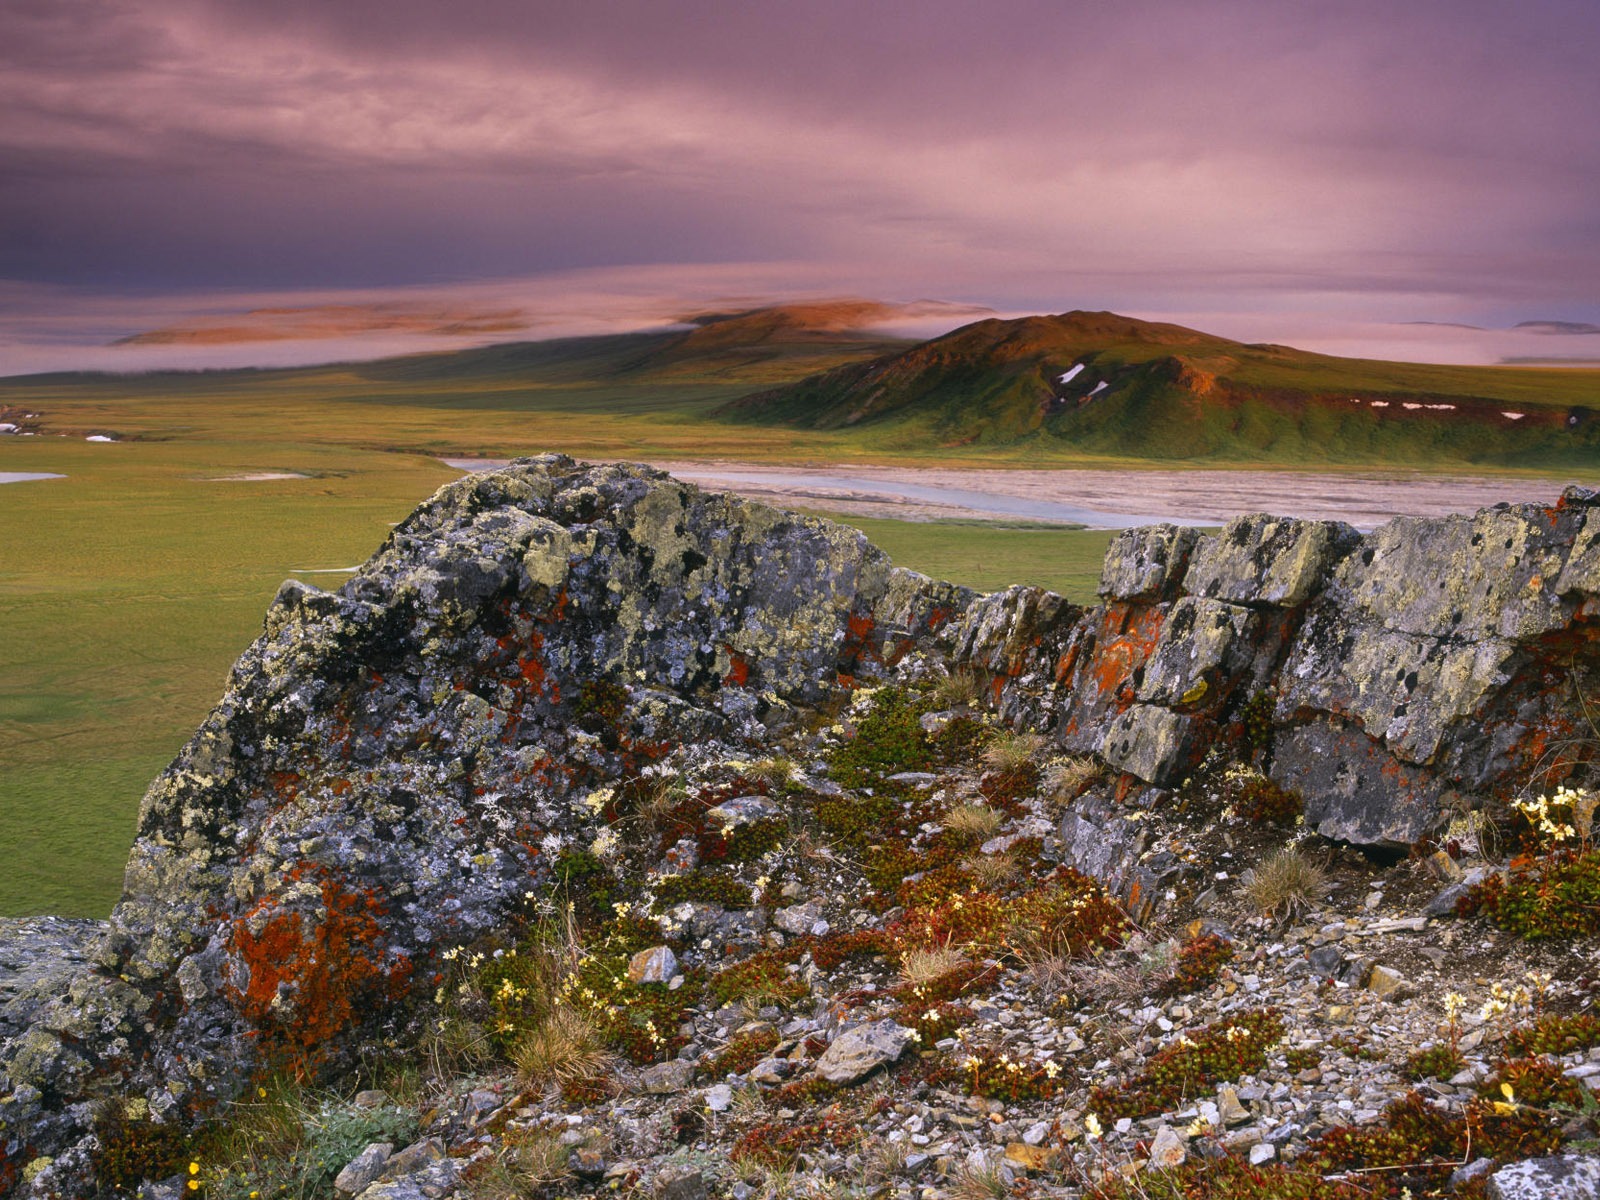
column 563, row 1048
column 1284, row 884
column 977, row 821
column 659, row 797
column 978, row 1182
column 531, row 1164
column 1068, row 778
column 1142, row 968
column 992, row 871
column 1012, row 751
column 922, row 966
column 962, row 687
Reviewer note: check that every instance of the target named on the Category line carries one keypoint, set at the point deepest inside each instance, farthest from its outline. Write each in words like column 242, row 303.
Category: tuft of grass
column 976, row 821
column 962, row 688
column 776, row 771
column 992, row 870
column 531, row 1164
column 289, row 1143
column 923, row 966
column 1143, row 967
column 659, row 799
column 1012, row 751
column 1284, row 884
column 973, row 1181
column 1068, row 778
column 563, row 1048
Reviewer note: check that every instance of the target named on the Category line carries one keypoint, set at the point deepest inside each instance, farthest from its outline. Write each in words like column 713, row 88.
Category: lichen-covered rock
column 376, row 782
column 1557, row 1177
column 1267, row 560
column 1147, row 563
column 1150, row 742
column 1429, row 662
column 1204, row 644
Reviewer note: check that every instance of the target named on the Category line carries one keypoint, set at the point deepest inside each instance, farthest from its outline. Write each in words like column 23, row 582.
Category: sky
column 1321, row 173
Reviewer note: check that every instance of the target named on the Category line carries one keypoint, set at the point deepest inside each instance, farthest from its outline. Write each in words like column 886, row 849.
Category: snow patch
column 1098, row 388
column 1380, row 404
column 99, row 437
column 1513, row 416
column 1072, row 374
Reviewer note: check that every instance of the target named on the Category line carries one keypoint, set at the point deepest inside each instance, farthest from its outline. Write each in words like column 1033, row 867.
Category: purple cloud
column 1432, row 159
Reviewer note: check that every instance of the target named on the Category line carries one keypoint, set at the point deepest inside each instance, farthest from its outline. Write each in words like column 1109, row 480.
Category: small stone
column 1030, row 1157
column 770, row 1070
column 719, row 1098
column 680, row 1183
column 363, row 1169
column 1442, row 867
column 1262, row 1152
column 684, row 855
column 588, row 1162
column 655, row 965
column 1385, row 982
column 480, row 1104
column 1326, row 961
column 1230, row 1108
column 371, row 1098
column 1466, row 1174
column 798, row 918
column 414, row 1157
column 665, row 1078
column 1036, row 1133
column 860, row 1051
column 742, row 810
column 1167, row 1151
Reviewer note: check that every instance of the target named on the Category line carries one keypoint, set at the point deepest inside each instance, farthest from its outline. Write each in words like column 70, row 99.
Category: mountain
column 1102, row 383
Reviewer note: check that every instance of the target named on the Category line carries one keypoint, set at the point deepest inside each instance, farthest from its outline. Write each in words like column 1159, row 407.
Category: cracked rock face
column 394, row 765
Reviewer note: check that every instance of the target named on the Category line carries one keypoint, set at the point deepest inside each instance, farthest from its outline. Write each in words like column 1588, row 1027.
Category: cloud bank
column 1429, row 160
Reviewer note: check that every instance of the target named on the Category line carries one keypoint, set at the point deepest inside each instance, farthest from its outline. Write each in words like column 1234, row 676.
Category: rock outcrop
column 395, row 765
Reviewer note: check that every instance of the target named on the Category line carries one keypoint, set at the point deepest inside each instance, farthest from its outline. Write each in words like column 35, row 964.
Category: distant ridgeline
column 1100, row 383
column 382, row 776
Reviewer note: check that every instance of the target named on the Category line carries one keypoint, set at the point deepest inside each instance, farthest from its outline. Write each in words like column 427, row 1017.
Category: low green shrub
column 1217, row 1053
column 1553, row 896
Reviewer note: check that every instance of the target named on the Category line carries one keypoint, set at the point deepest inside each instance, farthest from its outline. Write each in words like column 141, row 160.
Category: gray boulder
column 1559, row 1177
column 858, row 1052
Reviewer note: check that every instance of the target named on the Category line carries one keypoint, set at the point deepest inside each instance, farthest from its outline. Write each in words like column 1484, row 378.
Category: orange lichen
column 299, row 976
column 738, row 670
column 1128, row 633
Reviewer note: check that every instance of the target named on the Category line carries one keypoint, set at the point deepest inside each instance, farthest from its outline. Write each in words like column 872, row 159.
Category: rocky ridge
column 406, row 766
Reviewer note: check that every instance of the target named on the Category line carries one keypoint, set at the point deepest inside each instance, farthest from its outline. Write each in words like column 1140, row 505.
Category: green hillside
column 1094, row 383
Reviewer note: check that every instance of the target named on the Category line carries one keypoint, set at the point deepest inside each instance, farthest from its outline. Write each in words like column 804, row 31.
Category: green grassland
column 129, row 587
